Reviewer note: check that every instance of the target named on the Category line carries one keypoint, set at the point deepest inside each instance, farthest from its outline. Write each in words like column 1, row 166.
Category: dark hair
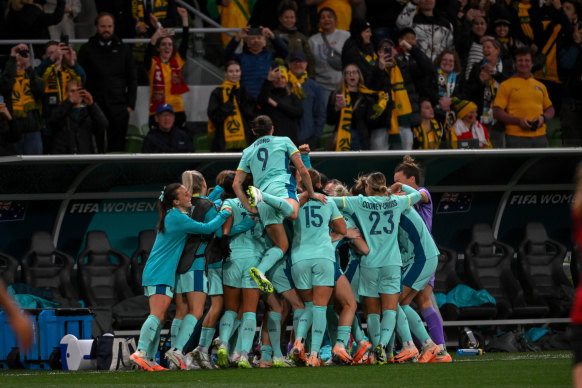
column 262, row 125
column 159, row 43
column 324, row 9
column 49, row 44
column 166, row 202
column 359, row 186
column 230, row 63
column 286, row 5
column 324, row 179
column 521, row 51
column 227, row 186
column 409, row 168
column 102, row 14
column 404, row 31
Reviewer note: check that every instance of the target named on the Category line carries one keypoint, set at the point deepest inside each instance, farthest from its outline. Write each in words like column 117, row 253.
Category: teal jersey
column 311, row 239
column 160, row 269
column 349, row 224
column 247, row 244
column 378, row 218
column 416, row 242
column 268, row 160
column 199, row 261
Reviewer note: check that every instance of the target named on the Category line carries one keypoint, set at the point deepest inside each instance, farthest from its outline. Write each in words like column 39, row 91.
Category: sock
column 318, row 327
column 357, row 330
column 238, row 345
column 387, row 325
column 206, row 337
column 247, row 328
column 374, row 329
column 270, row 258
column 274, row 327
column 416, row 324
column 402, row 325
column 153, row 348
column 435, row 326
column 266, row 353
column 186, row 330
column 390, row 345
column 343, row 336
column 305, row 321
column 278, row 203
column 174, row 330
column 147, row 333
column 296, row 315
column 226, row 327
column 332, row 322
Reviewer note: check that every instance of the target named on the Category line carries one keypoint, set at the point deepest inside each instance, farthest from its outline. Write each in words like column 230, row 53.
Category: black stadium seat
column 8, row 268
column 541, row 270
column 139, row 258
column 488, row 266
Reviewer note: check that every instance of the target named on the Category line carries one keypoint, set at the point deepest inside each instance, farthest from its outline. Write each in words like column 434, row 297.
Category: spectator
column 264, row 10
column 502, row 30
column 382, row 16
column 287, row 30
column 67, row 24
column 448, row 69
column 571, row 112
column 231, row 108
column 429, row 133
column 528, row 26
column 523, row 105
column 23, row 90
column 122, row 13
column 467, row 127
column 433, row 31
column 77, row 122
column 230, row 14
column 310, row 126
column 327, row 76
column 359, row 50
column 354, row 109
column 165, row 137
column 341, row 8
column 277, row 102
column 165, row 78
column 483, row 85
column 111, row 80
column 8, row 133
column 468, row 42
column 255, row 59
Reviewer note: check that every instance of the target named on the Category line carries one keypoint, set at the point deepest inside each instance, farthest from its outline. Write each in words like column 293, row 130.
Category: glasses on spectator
column 351, row 72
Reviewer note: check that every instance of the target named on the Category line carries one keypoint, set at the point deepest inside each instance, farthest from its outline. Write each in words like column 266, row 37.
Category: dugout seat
column 8, row 268
column 540, row 269
column 446, row 279
column 46, row 267
column 488, row 266
column 139, row 258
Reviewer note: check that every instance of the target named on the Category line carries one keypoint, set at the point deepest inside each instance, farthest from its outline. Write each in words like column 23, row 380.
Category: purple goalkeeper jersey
column 425, row 209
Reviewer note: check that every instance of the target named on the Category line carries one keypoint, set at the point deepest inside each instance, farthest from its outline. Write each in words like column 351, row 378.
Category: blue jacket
column 311, row 124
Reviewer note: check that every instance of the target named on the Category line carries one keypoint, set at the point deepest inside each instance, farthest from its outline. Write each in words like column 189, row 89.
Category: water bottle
column 469, row 352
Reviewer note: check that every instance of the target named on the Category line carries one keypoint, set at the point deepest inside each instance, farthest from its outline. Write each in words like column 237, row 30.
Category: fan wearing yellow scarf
column 353, row 108
column 230, row 109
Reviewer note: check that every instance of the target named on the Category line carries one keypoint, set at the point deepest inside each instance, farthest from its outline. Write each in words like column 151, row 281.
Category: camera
column 23, row 53
column 533, row 125
column 65, row 39
column 255, row 31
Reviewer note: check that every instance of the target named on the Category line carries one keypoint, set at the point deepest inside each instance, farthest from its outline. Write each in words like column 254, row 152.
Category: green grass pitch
column 544, row 369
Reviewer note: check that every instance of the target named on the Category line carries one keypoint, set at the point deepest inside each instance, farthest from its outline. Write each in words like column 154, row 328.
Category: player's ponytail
column 165, row 203
column 193, row 181
column 262, row 125
column 377, row 183
column 409, row 168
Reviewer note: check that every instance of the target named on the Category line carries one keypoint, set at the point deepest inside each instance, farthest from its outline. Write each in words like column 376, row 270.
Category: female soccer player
column 378, row 217
column 274, row 193
column 159, row 274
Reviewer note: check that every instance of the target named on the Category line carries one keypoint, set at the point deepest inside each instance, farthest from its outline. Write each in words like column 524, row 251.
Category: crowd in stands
column 384, row 74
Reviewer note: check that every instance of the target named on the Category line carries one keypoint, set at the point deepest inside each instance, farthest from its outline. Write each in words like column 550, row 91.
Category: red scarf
column 158, row 85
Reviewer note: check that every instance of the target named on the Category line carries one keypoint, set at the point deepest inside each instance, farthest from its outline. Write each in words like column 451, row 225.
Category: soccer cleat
column 176, row 357
column 282, row 362
column 156, row 367
column 255, row 196
column 139, row 359
column 190, row 362
column 233, row 359
column 428, row 353
column 390, row 357
column 442, row 356
column 243, row 362
column 379, row 355
column 265, row 364
column 406, row 355
column 202, row 358
column 368, row 358
column 262, row 282
column 362, row 349
column 314, row 361
column 340, row 354
column 298, row 354
column 222, row 356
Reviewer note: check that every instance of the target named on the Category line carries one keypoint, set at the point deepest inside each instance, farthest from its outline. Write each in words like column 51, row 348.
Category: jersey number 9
column 263, row 156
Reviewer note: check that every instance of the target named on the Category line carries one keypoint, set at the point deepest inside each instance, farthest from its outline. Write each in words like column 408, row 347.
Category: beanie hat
column 358, row 26
column 462, row 107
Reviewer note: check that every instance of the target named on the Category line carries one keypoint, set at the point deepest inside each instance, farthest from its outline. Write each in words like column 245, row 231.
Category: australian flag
column 455, row 203
column 12, row 210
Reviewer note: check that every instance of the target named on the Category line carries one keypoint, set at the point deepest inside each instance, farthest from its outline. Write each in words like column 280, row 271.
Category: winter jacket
column 158, row 141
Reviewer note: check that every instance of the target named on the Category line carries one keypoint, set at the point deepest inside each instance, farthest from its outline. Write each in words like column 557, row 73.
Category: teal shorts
column 268, row 214
column 235, row 273
column 215, row 281
column 280, row 277
column 191, row 281
column 416, row 275
column 376, row 281
column 353, row 275
column 158, row 290
column 313, row 272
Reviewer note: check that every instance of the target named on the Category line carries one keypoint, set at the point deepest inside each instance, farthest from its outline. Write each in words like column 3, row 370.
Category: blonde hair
column 339, row 190
column 377, row 182
column 193, row 181
column 359, row 186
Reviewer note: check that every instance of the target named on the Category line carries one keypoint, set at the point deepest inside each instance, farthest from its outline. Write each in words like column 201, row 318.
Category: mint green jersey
column 415, row 241
column 268, row 160
column 377, row 219
column 247, row 244
column 311, row 239
column 349, row 224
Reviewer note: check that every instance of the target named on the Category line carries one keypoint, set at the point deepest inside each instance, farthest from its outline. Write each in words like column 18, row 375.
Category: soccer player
column 377, row 217
column 159, row 274
column 267, row 159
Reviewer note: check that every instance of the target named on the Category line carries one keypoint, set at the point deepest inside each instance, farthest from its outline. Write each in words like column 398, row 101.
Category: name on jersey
column 262, row 141
column 378, row 206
